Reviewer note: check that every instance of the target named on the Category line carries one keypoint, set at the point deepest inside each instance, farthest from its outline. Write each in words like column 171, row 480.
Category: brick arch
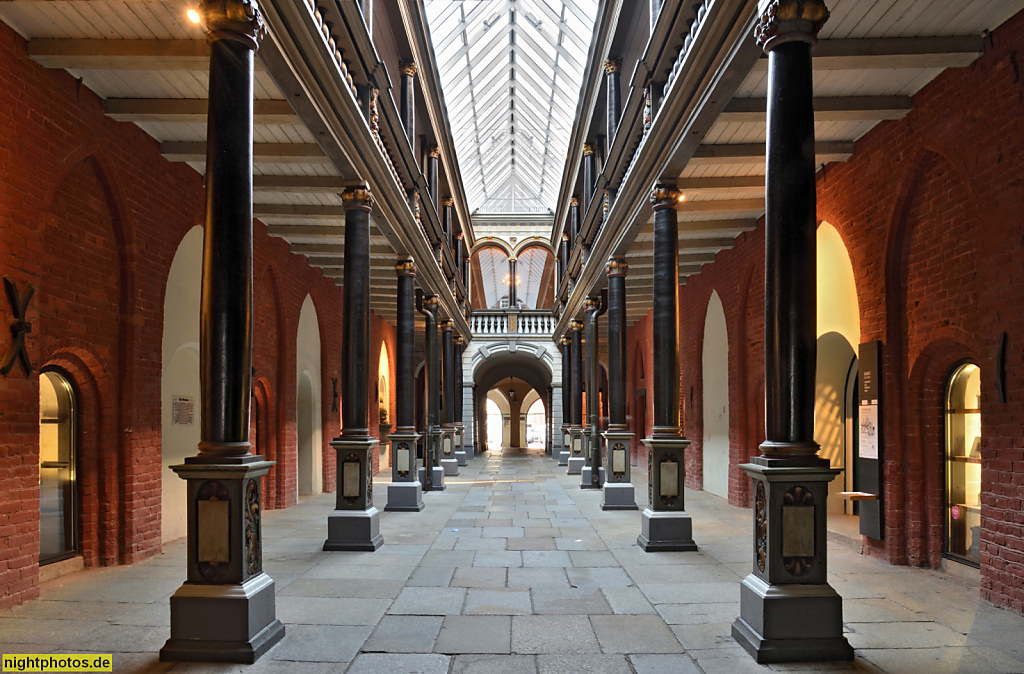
column 273, row 362
column 915, row 267
column 925, row 443
column 264, row 422
column 99, row 464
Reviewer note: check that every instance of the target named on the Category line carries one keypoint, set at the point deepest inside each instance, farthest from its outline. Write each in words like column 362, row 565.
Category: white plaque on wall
column 183, row 411
column 868, row 432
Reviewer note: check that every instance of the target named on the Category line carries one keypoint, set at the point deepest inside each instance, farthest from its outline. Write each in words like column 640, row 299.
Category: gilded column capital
column 588, row 150
column 512, row 258
column 238, row 20
column 565, row 237
column 357, row 198
column 459, row 236
column 616, row 267
column 576, row 326
column 664, row 197
column 574, row 202
column 407, row 67
column 565, row 341
column 448, row 202
column 435, row 152
column 789, row 20
column 405, row 268
column 591, row 304
column 447, row 325
column 612, row 65
column 431, row 303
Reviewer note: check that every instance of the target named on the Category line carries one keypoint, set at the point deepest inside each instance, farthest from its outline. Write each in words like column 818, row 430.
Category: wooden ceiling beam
column 309, row 211
column 170, row 110
column 893, row 52
column 754, row 153
column 262, row 153
column 115, row 54
column 826, row 109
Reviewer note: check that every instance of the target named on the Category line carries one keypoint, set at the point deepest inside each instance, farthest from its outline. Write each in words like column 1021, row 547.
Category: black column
column 226, row 305
column 589, row 177
column 458, row 403
column 448, row 376
column 460, row 257
column 408, row 100
column 355, row 330
column 666, row 312
column 790, row 305
column 432, row 168
column 405, row 327
column 616, row 271
column 566, row 344
column 574, row 226
column 612, row 68
column 513, row 295
column 590, row 358
column 576, row 359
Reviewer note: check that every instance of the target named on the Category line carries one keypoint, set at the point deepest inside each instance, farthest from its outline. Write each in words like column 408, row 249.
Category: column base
column 353, row 530
column 460, row 457
column 619, row 496
column 438, row 475
column 223, row 623
column 563, row 458
column 791, row 623
column 575, row 465
column 405, row 497
column 587, row 478
column 666, row 531
column 450, row 466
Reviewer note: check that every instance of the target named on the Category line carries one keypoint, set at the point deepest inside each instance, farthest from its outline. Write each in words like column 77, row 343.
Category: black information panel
column 869, row 460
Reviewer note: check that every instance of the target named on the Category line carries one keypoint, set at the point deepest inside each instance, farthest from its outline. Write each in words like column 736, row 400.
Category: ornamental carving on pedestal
column 761, row 527
column 253, row 548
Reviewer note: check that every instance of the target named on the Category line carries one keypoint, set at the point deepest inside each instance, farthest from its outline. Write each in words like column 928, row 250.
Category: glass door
column 57, row 498
column 963, row 464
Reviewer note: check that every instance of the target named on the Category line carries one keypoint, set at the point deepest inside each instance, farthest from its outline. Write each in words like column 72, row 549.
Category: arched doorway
column 384, row 404
column 308, row 410
column 58, row 498
column 963, row 465
column 304, row 431
column 497, row 426
column 179, row 384
column 715, row 368
column 536, row 422
column 838, row 329
column 501, row 374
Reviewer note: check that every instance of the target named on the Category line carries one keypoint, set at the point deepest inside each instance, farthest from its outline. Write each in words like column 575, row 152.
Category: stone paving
column 515, row 569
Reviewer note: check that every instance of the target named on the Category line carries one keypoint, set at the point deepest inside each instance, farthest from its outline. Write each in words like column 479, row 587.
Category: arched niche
column 715, row 368
column 383, row 409
column 488, row 268
column 535, row 267
column 498, row 430
column 835, row 413
column 309, row 409
column 179, row 383
column 838, row 309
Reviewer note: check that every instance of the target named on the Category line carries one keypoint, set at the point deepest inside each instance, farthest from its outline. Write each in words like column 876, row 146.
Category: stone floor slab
column 497, row 602
column 570, row 601
column 389, row 663
column 494, row 664
column 404, row 634
column 429, row 601
column 634, row 634
column 475, row 634
column 553, row 634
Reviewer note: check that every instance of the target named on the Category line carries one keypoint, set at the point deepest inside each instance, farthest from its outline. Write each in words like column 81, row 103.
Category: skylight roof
column 511, row 72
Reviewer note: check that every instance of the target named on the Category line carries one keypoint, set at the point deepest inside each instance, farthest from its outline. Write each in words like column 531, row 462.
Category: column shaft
column 589, row 176
column 448, row 378
column 666, row 313
column 612, row 68
column 226, row 304
column 574, row 227
column 617, row 343
column 512, row 291
column 408, row 99
column 405, row 393
column 577, row 374
column 355, row 330
column 566, row 344
column 790, row 248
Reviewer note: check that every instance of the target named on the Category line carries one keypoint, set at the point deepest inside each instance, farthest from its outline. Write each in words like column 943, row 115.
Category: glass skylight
column 511, row 72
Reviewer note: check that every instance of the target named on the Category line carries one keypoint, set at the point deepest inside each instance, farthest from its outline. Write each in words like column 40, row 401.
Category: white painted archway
column 179, row 382
column 715, row 364
column 308, row 416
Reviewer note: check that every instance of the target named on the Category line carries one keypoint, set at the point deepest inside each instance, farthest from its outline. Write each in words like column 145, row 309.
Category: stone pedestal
column 618, row 490
column 405, row 493
column 587, row 478
column 664, row 524
column 460, row 444
column 448, row 461
column 788, row 611
column 355, row 522
column 225, row 610
column 434, row 481
column 563, row 456
column 577, row 446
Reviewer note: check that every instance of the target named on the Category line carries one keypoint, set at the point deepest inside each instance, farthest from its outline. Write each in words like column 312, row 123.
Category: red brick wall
column 929, row 208
column 91, row 215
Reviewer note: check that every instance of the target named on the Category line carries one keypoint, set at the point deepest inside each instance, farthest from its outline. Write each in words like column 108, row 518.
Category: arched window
column 58, row 500
column 963, row 464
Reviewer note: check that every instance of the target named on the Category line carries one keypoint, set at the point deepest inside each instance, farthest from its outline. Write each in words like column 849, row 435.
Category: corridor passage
column 515, row 569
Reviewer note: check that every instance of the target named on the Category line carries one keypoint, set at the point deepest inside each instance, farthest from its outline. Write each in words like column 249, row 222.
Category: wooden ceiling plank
column 826, row 109
column 893, row 53
column 749, row 153
column 100, row 54
column 169, row 110
column 277, row 153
